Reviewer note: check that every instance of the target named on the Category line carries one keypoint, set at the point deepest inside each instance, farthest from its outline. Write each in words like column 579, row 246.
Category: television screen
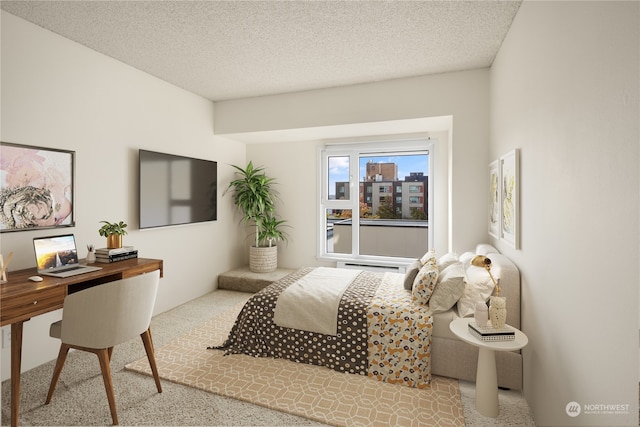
column 176, row 189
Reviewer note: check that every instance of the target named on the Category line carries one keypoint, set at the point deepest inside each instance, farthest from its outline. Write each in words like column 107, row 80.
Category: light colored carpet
column 313, row 392
column 80, row 399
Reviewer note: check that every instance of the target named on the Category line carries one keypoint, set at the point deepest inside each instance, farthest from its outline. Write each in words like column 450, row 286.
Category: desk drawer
column 32, row 304
column 141, row 269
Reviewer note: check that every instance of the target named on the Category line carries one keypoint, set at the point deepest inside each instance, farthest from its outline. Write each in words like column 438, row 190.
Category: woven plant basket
column 263, row 259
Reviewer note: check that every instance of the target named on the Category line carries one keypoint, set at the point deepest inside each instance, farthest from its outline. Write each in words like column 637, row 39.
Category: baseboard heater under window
column 371, row 266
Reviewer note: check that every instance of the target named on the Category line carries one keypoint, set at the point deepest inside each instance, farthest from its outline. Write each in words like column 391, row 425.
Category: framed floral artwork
column 510, row 198
column 36, row 187
column 494, row 199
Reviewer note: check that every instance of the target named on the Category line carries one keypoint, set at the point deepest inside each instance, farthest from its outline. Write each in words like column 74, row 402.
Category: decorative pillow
column 446, row 260
column 478, row 288
column 424, row 283
column 449, row 289
column 429, row 257
column 411, row 273
column 466, row 258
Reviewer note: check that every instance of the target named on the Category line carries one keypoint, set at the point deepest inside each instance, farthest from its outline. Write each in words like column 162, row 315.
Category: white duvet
column 311, row 303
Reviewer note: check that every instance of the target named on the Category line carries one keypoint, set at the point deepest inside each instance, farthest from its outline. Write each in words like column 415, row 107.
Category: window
column 369, row 179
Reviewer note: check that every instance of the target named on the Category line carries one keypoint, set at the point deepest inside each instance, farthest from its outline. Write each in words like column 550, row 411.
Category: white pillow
column 449, row 289
column 446, row 260
column 425, row 283
column 429, row 257
column 478, row 288
column 466, row 258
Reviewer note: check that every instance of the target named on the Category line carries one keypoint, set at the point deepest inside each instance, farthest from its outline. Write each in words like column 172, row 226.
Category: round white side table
column 486, row 375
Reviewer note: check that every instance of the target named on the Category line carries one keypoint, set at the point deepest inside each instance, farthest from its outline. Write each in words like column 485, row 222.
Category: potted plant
column 255, row 197
column 113, row 232
column 272, row 231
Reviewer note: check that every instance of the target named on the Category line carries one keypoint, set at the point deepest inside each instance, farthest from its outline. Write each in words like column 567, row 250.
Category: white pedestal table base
column 487, row 384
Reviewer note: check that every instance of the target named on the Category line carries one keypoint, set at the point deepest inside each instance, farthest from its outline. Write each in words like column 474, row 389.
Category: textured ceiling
column 234, row 49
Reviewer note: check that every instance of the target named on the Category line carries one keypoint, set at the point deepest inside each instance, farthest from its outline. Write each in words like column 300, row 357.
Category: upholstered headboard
column 505, row 270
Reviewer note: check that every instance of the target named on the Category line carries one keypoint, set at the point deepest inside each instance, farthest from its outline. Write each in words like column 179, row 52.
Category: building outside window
column 377, row 224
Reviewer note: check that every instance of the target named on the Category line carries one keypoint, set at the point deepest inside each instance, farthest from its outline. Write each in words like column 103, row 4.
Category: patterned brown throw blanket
column 380, row 331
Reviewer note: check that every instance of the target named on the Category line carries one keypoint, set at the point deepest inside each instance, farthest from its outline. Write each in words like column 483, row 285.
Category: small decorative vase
column 481, row 314
column 498, row 312
column 114, row 241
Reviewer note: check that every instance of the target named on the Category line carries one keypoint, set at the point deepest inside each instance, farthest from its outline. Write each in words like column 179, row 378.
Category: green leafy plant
column 418, row 213
column 117, row 228
column 386, row 210
column 255, row 197
column 272, row 230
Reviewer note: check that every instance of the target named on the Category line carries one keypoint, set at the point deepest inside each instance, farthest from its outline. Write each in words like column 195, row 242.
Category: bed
column 379, row 330
column 387, row 326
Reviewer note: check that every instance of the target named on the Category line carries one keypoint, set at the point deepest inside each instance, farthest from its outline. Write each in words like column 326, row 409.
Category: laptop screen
column 55, row 252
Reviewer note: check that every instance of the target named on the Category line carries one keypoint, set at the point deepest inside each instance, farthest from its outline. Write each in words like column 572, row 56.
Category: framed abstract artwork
column 36, row 187
column 510, row 198
column 494, row 199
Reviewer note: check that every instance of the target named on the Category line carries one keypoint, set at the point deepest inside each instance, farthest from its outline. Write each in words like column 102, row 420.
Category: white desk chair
column 101, row 317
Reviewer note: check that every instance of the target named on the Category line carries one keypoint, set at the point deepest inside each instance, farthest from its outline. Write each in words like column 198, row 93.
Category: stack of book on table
column 107, row 255
column 489, row 333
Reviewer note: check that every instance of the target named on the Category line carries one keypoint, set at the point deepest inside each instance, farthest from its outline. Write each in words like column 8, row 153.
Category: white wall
column 462, row 95
column 58, row 94
column 564, row 89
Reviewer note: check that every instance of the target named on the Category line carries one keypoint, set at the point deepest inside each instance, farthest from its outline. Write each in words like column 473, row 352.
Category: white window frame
column 354, row 151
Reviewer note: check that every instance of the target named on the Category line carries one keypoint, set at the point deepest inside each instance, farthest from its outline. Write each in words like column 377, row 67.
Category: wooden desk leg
column 487, row 384
column 16, row 361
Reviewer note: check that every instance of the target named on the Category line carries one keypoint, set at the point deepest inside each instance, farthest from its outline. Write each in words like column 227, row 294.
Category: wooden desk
column 21, row 299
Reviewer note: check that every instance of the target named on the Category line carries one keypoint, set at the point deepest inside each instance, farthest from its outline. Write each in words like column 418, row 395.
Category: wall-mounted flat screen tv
column 176, row 190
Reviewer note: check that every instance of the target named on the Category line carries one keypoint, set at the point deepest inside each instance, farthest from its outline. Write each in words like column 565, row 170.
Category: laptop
column 57, row 256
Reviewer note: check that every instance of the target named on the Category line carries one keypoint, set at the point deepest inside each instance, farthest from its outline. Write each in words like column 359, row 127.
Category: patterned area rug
column 313, row 392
